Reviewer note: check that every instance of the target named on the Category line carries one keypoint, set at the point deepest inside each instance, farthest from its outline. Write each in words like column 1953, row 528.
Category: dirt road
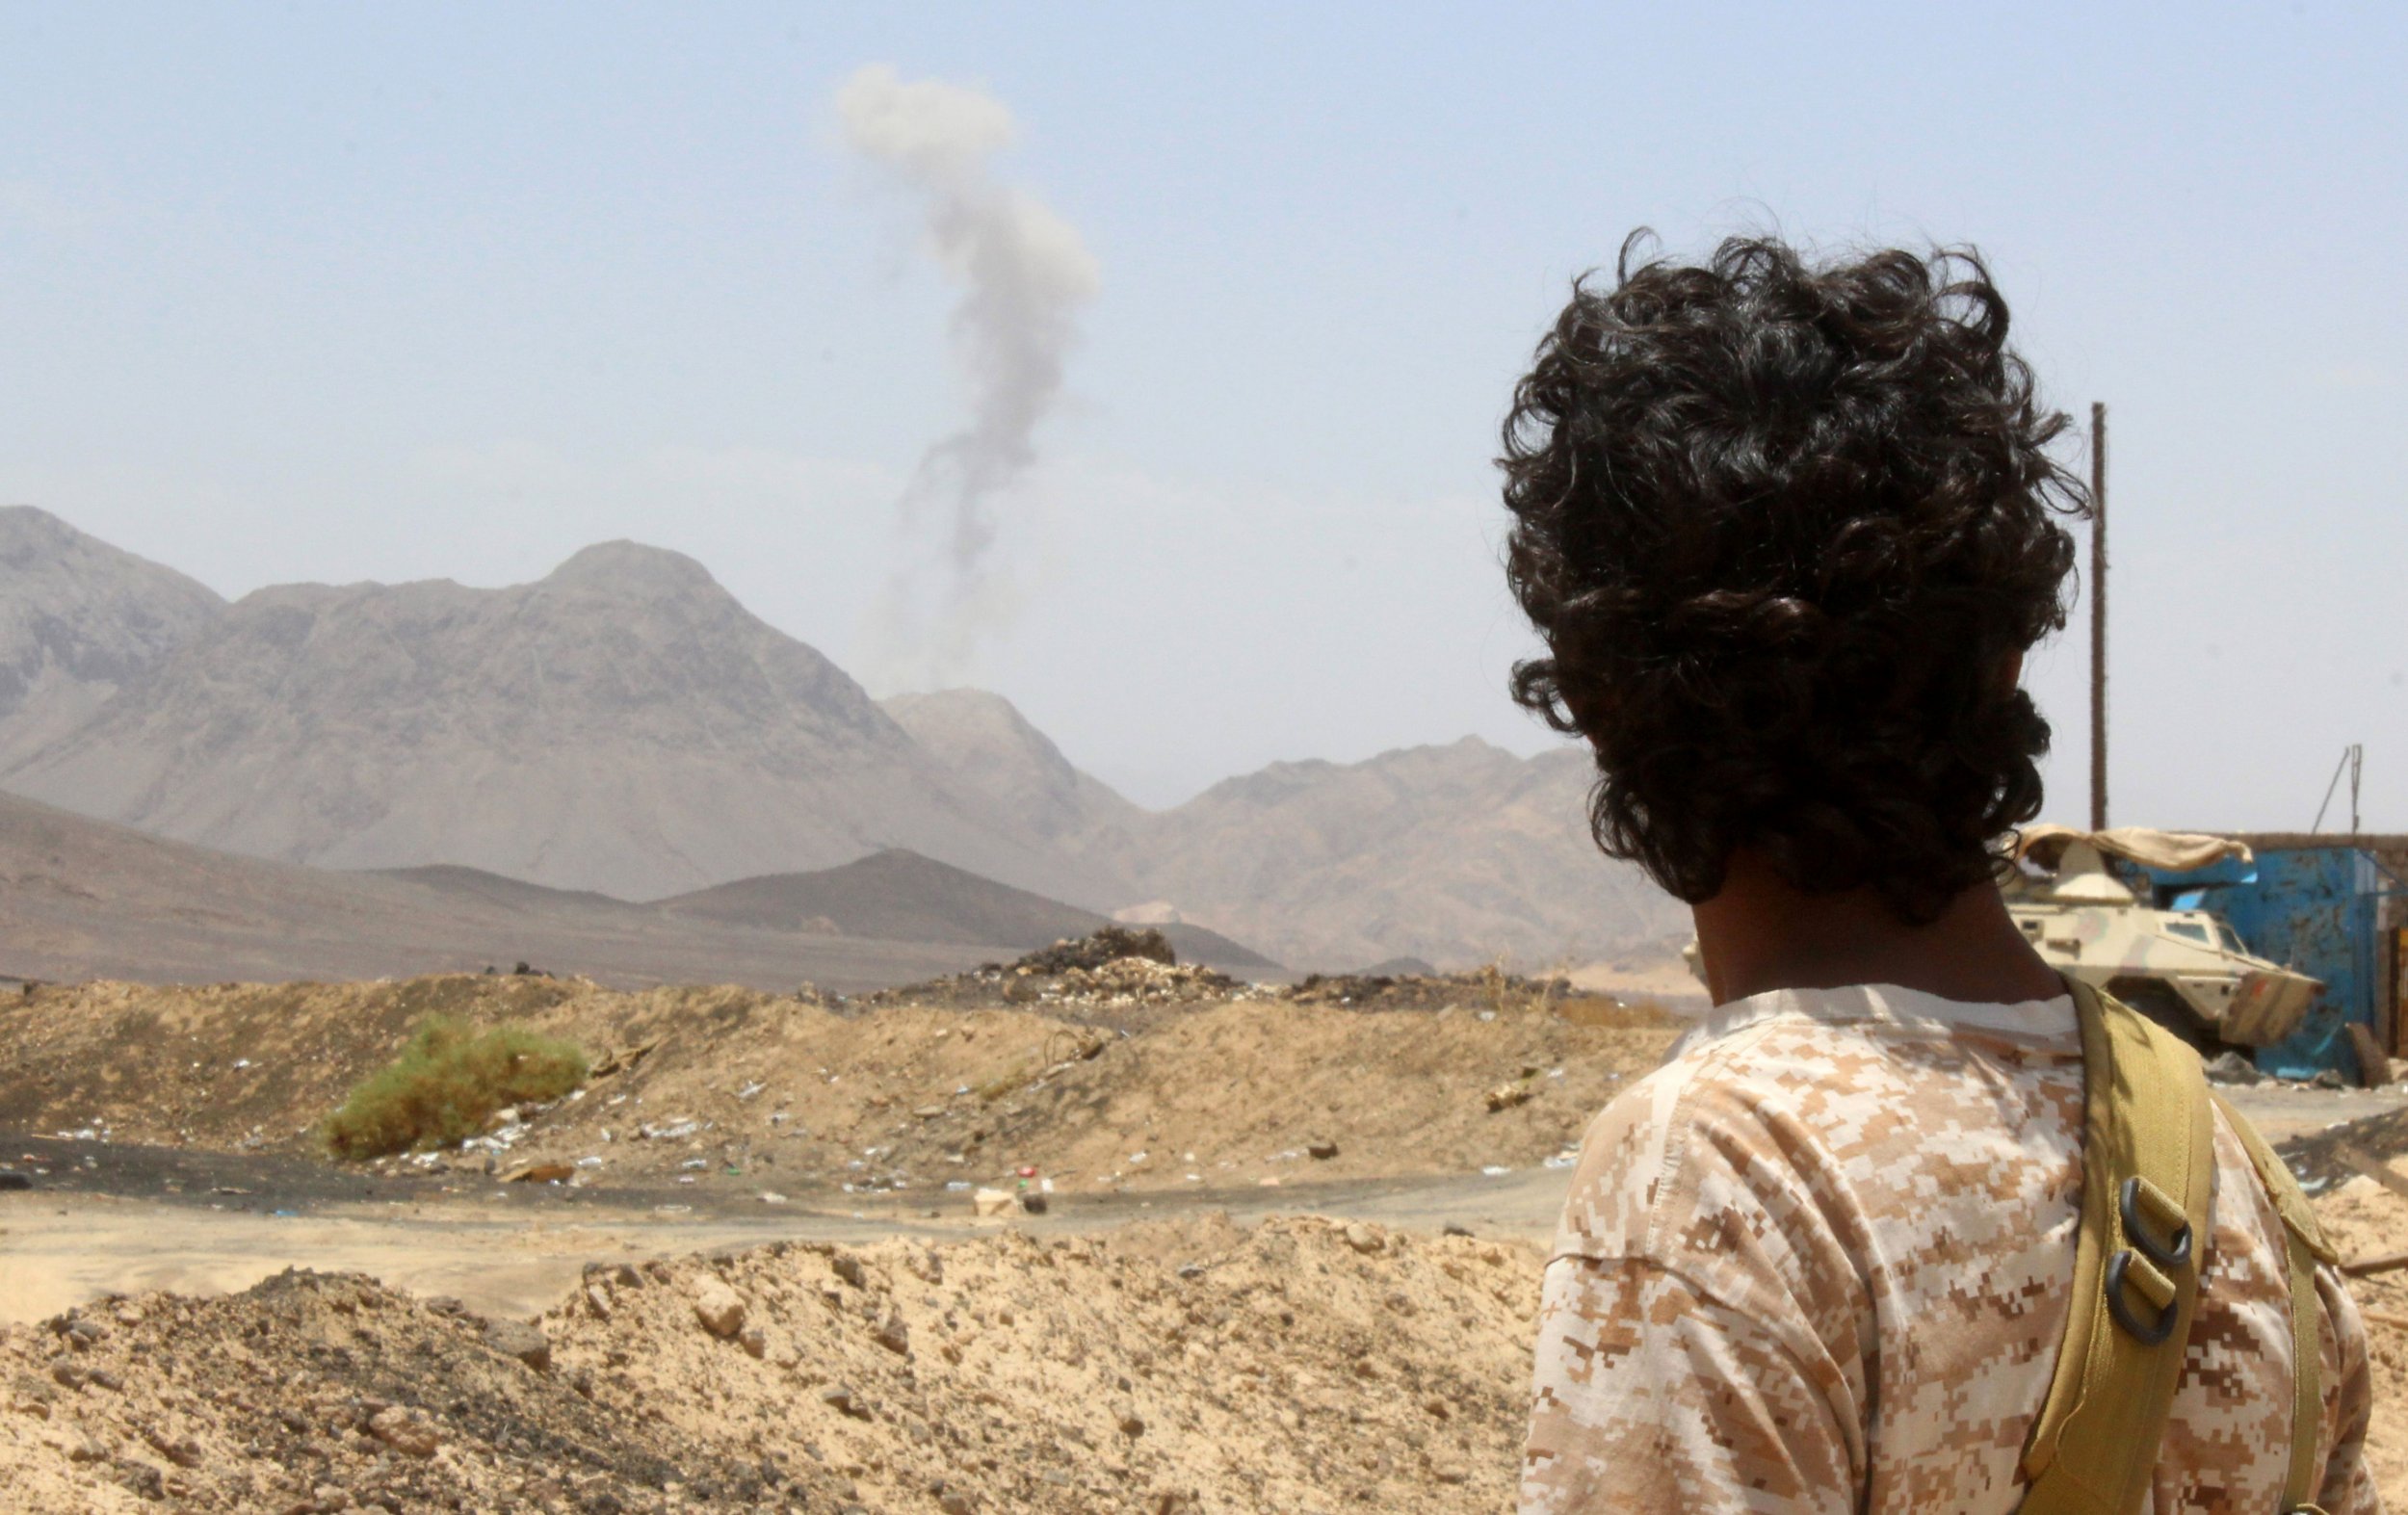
column 512, row 1250
column 113, row 1218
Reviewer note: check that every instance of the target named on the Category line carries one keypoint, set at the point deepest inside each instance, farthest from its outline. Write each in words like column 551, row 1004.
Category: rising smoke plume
column 1022, row 274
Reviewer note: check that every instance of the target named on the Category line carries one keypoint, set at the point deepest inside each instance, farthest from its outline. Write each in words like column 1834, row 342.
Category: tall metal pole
column 2098, row 619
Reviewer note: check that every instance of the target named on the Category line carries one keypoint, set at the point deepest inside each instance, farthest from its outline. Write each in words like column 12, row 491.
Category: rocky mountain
column 79, row 621
column 990, row 745
column 1451, row 853
column 622, row 725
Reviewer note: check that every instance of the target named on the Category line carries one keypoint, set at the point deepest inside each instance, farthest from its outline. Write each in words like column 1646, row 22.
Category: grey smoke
column 1023, row 275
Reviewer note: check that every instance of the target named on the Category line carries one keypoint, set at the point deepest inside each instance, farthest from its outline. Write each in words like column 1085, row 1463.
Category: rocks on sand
column 720, row 1309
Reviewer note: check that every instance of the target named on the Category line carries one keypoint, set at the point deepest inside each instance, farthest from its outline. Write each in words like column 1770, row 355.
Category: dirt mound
column 1298, row 1368
column 1101, row 948
column 1490, row 989
column 228, row 1066
column 2363, row 1220
column 319, row 1393
column 1114, row 969
column 2318, row 1155
column 1118, row 970
column 728, row 1088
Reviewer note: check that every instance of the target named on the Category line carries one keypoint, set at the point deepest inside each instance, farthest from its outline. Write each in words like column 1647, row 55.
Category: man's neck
column 1760, row 934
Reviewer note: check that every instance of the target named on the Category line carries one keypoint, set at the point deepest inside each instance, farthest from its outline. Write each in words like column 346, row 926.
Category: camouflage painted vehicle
column 2087, row 904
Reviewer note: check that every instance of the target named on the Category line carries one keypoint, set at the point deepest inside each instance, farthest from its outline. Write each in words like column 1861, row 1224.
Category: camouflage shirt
column 1820, row 1261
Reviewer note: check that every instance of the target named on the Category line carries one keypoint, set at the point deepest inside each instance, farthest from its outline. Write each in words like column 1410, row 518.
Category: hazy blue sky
column 420, row 290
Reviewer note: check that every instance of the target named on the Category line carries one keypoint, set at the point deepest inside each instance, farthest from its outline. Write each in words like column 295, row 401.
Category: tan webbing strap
column 2148, row 1171
column 2305, row 1245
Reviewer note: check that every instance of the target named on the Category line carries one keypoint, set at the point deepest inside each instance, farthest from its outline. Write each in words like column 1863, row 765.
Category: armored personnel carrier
column 2087, row 903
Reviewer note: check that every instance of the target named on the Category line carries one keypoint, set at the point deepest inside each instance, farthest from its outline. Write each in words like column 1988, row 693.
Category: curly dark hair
column 1784, row 529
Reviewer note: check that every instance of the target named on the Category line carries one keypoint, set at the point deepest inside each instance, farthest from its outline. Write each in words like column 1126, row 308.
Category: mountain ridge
column 79, row 620
column 82, row 899
column 624, row 726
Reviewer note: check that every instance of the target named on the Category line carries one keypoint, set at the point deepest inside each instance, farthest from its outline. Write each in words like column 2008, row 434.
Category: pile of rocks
column 1109, row 945
column 1125, row 982
column 1114, row 968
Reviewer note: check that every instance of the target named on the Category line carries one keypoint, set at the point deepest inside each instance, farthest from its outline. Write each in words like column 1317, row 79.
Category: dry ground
column 1272, row 1363
column 1302, row 1366
column 1297, row 1364
column 743, row 1090
column 1197, row 1364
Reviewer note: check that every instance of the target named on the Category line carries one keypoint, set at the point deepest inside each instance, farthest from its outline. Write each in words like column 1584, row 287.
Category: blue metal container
column 2317, row 910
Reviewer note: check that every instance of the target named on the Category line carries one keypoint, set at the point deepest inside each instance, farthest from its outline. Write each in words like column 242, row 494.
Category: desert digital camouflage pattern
column 2186, row 969
column 1819, row 1261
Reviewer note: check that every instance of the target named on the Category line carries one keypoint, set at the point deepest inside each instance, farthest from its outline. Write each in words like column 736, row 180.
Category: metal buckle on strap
column 2128, row 1269
column 2139, row 1194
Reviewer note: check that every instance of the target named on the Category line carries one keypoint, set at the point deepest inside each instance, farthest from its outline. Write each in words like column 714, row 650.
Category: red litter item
column 1027, row 1172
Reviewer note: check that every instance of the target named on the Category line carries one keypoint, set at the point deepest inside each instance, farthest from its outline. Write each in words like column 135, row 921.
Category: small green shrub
column 446, row 1085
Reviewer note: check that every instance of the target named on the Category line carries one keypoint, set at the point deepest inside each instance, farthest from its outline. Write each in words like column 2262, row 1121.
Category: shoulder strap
column 2148, row 1171
column 2305, row 1245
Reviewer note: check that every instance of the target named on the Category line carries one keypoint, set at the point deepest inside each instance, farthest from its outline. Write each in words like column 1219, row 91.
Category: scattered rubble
column 2230, row 1067
column 1109, row 945
column 1118, row 969
column 1506, row 1096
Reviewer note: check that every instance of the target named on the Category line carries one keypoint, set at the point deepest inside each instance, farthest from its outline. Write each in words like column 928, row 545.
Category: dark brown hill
column 899, row 896
column 82, row 899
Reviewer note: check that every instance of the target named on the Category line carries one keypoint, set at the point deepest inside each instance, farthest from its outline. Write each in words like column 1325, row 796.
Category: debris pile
column 1304, row 1367
column 1107, row 945
column 1116, row 968
column 1125, row 982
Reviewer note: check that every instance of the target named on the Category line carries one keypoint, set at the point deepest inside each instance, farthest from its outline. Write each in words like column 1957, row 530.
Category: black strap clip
column 2149, row 1333
column 2175, row 1250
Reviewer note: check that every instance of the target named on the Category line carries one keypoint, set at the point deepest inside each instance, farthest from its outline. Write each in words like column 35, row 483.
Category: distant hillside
column 623, row 725
column 1450, row 854
column 79, row 621
column 1456, row 853
column 900, row 896
column 988, row 744
column 82, row 899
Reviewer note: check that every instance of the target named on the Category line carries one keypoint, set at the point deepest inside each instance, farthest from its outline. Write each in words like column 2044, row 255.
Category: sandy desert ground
column 777, row 1300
